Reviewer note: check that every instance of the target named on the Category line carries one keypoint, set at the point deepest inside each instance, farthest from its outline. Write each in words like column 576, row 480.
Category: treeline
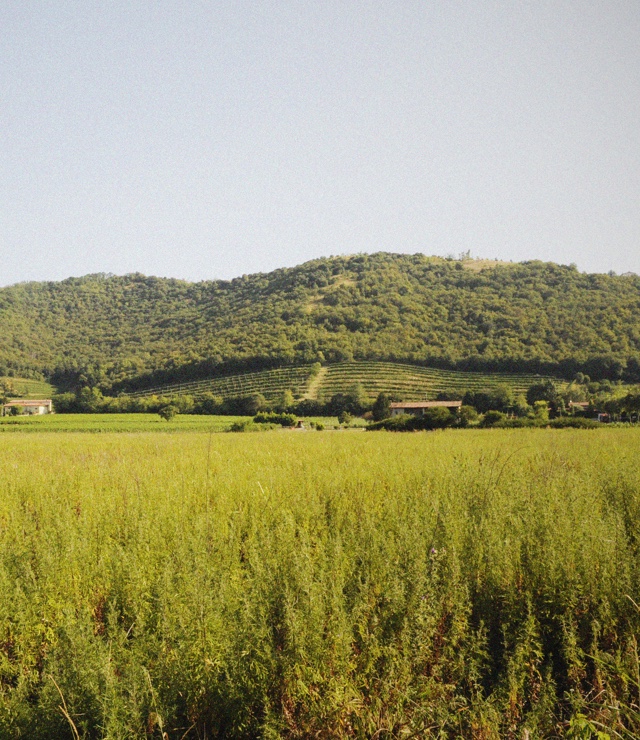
column 119, row 333
column 543, row 403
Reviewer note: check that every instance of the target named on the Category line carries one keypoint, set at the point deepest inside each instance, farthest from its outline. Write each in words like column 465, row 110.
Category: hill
column 136, row 331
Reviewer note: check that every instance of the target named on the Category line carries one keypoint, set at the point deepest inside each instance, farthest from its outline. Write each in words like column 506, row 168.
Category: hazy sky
column 209, row 139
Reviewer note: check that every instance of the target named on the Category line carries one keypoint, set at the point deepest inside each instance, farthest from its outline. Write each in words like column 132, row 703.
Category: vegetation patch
column 320, row 585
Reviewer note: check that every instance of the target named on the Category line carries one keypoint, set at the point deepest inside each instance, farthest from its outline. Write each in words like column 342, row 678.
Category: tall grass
column 456, row 584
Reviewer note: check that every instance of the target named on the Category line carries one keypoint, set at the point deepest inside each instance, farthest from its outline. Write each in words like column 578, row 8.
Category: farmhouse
column 28, row 406
column 418, row 408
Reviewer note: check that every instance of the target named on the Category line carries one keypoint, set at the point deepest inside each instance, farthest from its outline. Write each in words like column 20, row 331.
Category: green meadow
column 458, row 584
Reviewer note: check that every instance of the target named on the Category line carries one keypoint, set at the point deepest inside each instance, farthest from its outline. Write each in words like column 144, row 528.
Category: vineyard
column 267, row 382
column 409, row 382
column 27, row 388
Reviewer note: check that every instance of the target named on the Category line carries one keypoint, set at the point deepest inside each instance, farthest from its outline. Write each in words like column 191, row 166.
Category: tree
column 545, row 391
column 467, row 415
column 345, row 417
column 89, row 400
column 381, row 407
column 285, row 401
column 168, row 412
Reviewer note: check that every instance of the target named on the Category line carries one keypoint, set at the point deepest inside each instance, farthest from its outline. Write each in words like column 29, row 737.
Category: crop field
column 100, row 423
column 267, row 382
column 458, row 584
column 116, row 423
column 411, row 382
column 414, row 383
column 27, row 388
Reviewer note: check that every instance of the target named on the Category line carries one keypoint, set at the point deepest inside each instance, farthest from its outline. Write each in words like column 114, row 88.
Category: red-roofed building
column 28, row 406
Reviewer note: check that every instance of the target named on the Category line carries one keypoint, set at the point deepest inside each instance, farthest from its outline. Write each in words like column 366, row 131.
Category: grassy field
column 410, row 382
column 138, row 423
column 471, row 584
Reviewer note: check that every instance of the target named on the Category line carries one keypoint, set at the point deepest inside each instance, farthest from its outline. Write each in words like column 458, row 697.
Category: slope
column 135, row 331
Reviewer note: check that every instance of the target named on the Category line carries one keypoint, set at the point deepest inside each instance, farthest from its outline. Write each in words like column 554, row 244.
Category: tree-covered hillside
column 531, row 316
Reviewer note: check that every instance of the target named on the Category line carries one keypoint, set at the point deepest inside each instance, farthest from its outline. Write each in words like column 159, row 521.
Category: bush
column 168, row 412
column 285, row 420
column 492, row 418
column 573, row 422
column 246, row 425
column 466, row 416
column 438, row 418
column 244, row 405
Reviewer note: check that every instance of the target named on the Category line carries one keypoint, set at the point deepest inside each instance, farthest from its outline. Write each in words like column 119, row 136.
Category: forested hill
column 449, row 313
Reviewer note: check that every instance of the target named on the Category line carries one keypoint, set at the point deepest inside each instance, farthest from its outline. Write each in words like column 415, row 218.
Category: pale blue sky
column 210, row 139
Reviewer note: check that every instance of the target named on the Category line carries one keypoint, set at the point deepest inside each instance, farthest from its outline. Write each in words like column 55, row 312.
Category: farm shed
column 28, row 406
column 418, row 408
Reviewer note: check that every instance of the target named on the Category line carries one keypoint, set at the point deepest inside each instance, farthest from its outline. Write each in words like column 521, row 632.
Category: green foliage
column 533, row 317
column 168, row 412
column 467, row 415
column 492, row 418
column 382, row 407
column 284, row 420
column 459, row 585
column 436, row 418
column 542, row 392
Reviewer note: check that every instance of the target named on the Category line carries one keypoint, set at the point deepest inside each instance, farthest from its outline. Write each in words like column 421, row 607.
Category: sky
column 203, row 140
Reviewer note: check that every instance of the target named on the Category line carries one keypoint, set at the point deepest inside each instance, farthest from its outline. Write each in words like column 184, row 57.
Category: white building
column 28, row 406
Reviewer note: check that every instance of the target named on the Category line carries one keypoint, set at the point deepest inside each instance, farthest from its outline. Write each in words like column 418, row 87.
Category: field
column 137, row 423
column 27, row 388
column 410, row 382
column 460, row 584
column 267, row 382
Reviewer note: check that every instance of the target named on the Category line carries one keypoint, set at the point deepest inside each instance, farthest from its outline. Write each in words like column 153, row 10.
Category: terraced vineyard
column 411, row 382
column 27, row 388
column 267, row 382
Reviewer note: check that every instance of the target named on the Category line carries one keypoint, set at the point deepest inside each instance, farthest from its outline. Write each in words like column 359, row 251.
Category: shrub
column 492, row 418
column 466, row 416
column 285, row 420
column 574, row 422
column 246, row 425
column 168, row 412
column 438, row 418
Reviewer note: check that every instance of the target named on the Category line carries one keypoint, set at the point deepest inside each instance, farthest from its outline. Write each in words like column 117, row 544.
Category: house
column 418, row 408
column 28, row 406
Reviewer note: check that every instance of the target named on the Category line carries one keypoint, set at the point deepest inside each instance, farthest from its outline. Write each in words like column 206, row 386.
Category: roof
column 28, row 402
column 582, row 404
column 425, row 404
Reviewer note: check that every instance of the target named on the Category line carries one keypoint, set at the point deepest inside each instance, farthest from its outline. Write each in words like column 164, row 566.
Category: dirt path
column 314, row 385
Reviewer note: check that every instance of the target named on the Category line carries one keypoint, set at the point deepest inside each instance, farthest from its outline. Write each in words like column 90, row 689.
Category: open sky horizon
column 214, row 139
